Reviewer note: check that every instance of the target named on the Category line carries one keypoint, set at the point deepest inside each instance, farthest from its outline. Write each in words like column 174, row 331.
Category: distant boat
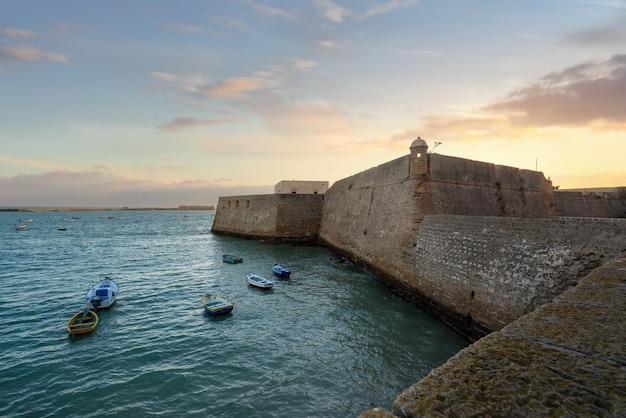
column 281, row 271
column 259, row 281
column 232, row 259
column 216, row 304
column 82, row 322
column 103, row 294
column 26, row 220
column 21, row 228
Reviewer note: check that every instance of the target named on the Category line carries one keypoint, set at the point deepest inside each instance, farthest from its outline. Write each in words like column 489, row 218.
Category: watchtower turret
column 419, row 159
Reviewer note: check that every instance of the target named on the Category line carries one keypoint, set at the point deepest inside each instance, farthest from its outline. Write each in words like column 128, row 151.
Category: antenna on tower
column 437, row 143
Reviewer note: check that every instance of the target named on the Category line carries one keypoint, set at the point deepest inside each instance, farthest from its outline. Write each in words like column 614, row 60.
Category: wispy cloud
column 28, row 54
column 613, row 34
column 31, row 163
column 179, row 27
column 181, row 123
column 301, row 64
column 319, row 120
column 271, row 11
column 232, row 88
column 103, row 189
column 388, row 7
column 164, row 76
column 331, row 44
column 19, row 33
column 332, row 11
column 230, row 23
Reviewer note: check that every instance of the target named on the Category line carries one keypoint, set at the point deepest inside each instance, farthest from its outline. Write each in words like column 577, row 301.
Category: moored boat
column 281, row 271
column 216, row 305
column 22, row 227
column 259, row 281
column 103, row 294
column 82, row 322
column 232, row 259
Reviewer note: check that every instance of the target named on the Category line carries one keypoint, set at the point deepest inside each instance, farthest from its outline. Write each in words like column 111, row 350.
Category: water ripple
column 330, row 341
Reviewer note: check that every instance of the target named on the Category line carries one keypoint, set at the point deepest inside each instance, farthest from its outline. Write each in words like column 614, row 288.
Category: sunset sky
column 163, row 103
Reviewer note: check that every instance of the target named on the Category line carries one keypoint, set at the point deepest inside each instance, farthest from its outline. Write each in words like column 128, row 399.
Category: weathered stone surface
column 566, row 359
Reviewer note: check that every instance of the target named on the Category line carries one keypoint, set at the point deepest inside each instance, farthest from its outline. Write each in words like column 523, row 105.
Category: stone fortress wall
column 473, row 243
column 272, row 217
column 494, row 252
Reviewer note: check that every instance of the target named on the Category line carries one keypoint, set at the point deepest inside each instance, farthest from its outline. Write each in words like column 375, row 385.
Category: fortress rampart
column 494, row 252
column 272, row 217
column 476, row 244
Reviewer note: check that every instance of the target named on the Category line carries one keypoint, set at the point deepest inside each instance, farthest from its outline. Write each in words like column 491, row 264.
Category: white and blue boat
column 259, row 281
column 103, row 294
column 281, row 271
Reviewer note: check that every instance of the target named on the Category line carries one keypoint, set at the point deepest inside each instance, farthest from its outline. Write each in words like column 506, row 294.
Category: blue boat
column 281, row 271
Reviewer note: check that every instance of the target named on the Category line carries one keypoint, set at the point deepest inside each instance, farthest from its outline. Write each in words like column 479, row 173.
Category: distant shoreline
column 59, row 209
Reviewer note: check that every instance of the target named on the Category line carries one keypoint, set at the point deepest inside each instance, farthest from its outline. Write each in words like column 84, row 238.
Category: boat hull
column 216, row 304
column 232, row 259
column 103, row 294
column 78, row 325
column 281, row 271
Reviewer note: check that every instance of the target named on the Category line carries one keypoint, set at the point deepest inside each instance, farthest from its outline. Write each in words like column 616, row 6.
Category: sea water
column 330, row 341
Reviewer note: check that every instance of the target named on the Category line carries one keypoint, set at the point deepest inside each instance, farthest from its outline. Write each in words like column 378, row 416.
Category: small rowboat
column 281, row 271
column 258, row 281
column 216, row 304
column 82, row 322
column 232, row 259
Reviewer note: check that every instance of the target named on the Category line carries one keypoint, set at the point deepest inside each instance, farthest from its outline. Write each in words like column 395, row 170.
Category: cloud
column 164, row 76
column 576, row 96
column 19, row 34
column 230, row 23
column 181, row 123
column 330, row 44
column 588, row 95
column 105, row 190
column 301, row 64
column 28, row 54
column 331, row 11
column 271, row 11
column 388, row 7
column 613, row 34
column 319, row 120
column 232, row 88
column 30, row 163
column 179, row 27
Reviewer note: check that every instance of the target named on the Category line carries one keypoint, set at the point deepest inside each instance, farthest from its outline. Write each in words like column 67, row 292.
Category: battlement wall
column 601, row 204
column 271, row 217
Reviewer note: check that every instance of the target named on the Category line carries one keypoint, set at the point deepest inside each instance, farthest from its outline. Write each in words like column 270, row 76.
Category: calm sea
column 329, row 342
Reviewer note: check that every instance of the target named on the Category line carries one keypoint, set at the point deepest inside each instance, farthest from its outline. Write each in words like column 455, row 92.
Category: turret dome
column 419, row 142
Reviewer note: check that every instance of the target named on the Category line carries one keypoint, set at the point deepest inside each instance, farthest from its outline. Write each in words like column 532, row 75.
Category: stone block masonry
column 288, row 218
column 489, row 271
column 565, row 359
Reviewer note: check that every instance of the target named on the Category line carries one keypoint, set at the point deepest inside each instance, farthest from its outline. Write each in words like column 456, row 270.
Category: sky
column 152, row 103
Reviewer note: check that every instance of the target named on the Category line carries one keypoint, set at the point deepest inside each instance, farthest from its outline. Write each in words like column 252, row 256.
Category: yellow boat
column 82, row 322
